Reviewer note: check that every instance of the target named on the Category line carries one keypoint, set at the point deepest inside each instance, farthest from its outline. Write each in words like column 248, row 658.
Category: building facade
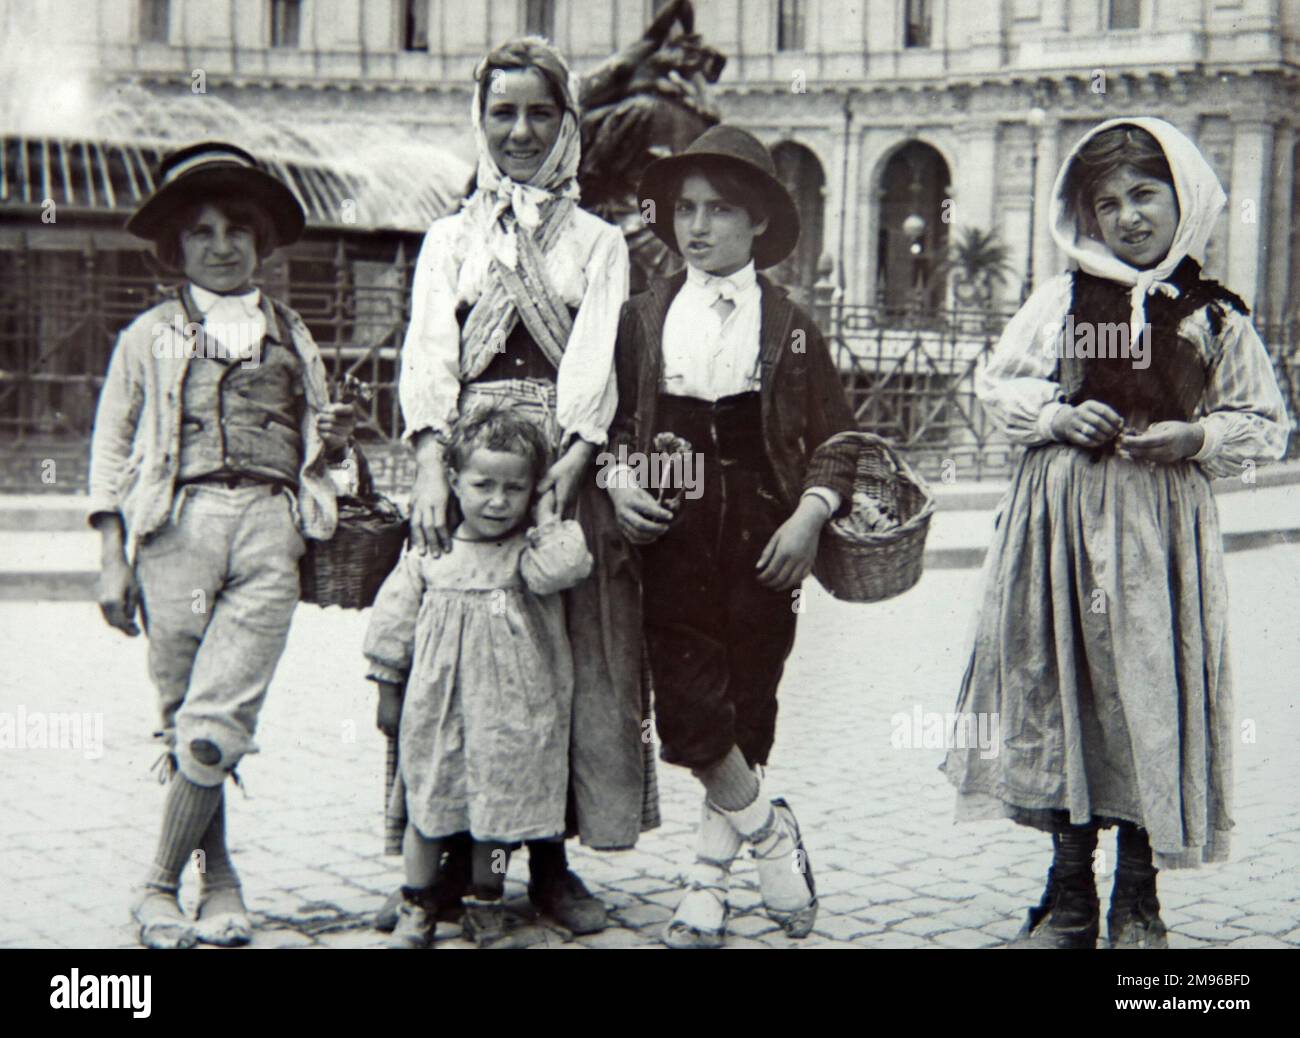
column 878, row 110
column 899, row 125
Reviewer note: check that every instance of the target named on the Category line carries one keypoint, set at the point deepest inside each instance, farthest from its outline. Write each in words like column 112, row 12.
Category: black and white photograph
column 652, row 474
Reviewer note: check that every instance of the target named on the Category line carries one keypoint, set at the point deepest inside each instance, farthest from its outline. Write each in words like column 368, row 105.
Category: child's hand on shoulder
column 789, row 556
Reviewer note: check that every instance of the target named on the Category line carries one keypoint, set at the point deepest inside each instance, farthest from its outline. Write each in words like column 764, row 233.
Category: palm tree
column 977, row 262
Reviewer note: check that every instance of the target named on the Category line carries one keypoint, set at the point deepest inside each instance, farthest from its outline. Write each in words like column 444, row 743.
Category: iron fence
column 910, row 376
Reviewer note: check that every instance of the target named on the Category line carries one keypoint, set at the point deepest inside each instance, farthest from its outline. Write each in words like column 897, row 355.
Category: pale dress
column 1100, row 647
column 484, row 738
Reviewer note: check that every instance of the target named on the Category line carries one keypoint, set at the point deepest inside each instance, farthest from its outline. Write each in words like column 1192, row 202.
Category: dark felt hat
column 725, row 146
column 216, row 169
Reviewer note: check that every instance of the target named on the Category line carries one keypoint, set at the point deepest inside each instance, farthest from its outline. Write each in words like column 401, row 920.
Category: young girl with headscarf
column 1101, row 642
column 516, row 301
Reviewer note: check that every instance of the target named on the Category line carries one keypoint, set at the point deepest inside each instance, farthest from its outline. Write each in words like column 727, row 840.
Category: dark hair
column 1103, row 156
column 728, row 181
column 499, row 427
column 238, row 210
column 525, row 53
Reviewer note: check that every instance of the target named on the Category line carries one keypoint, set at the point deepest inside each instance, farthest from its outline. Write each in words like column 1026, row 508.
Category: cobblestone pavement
column 891, row 867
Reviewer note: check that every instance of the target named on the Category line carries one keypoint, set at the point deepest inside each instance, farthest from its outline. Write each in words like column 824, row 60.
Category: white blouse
column 1241, row 411
column 588, row 266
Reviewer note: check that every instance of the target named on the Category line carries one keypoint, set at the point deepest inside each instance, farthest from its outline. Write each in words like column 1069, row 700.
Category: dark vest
column 521, row 358
column 243, row 420
column 1171, row 386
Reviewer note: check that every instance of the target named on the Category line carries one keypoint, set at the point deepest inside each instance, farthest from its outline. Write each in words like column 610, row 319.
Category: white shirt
column 236, row 323
column 705, row 355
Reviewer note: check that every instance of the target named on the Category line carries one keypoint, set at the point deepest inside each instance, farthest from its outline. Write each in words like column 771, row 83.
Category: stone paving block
column 966, row 939
column 1259, row 941
column 923, row 906
column 842, row 927
column 921, row 926
column 1212, row 911
column 641, row 915
column 894, row 939
column 280, row 938
column 1267, row 924
column 1208, row 930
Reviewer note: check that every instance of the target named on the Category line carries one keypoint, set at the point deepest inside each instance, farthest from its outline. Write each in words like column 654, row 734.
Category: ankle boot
column 415, row 920
column 1134, row 917
column 1069, row 914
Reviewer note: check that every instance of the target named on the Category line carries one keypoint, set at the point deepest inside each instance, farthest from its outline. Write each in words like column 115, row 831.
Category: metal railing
column 910, row 376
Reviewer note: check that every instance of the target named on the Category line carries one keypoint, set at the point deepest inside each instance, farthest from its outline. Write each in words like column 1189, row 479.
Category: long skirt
column 1100, row 656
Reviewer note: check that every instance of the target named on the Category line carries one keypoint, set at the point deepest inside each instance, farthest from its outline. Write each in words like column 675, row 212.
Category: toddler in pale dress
column 484, row 721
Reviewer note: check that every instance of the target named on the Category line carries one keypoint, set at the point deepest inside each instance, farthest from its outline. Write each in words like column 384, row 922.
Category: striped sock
column 186, row 816
column 218, row 870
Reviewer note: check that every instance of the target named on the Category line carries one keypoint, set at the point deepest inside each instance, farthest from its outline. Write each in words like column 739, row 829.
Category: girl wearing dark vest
column 719, row 357
column 516, row 301
column 210, row 462
column 1101, row 642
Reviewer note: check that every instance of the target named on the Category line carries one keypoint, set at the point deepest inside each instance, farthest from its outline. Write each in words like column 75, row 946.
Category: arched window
column 913, row 236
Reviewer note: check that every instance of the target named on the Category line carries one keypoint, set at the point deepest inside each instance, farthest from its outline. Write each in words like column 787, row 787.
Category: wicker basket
column 858, row 566
column 348, row 569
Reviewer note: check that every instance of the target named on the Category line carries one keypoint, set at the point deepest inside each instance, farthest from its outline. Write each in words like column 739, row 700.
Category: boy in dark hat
column 210, row 462
column 720, row 357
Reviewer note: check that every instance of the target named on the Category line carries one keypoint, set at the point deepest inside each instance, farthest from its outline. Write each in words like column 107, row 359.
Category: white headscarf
column 1200, row 200
column 497, row 196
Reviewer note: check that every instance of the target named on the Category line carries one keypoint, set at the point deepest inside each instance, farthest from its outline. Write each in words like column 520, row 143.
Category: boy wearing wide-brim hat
column 210, row 463
column 720, row 357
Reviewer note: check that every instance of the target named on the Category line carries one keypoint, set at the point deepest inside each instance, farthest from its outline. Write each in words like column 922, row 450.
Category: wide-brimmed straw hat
column 725, row 146
column 216, row 169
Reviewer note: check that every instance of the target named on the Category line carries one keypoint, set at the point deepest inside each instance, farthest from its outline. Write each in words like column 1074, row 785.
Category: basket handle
column 859, row 438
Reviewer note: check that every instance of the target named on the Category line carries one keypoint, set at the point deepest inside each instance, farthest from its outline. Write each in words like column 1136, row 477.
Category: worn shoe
column 1134, row 917
column 1068, row 916
column 223, row 919
column 486, row 925
column 565, row 898
column 415, row 922
column 785, row 876
column 162, row 923
column 451, row 885
column 701, row 917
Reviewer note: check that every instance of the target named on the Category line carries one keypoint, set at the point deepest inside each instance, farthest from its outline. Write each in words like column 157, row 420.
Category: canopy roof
column 114, row 176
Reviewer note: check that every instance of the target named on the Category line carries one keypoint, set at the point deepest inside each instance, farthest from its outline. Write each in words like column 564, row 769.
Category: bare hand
column 564, row 477
column 388, row 717
column 335, row 424
column 641, row 519
column 429, row 498
column 1090, row 424
column 1164, row 442
column 789, row 556
column 119, row 596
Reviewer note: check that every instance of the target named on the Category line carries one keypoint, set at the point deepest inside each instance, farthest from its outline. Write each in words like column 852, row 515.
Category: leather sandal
column 797, row 922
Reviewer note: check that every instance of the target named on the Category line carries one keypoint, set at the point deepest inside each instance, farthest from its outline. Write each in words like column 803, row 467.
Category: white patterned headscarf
column 1200, row 200
column 517, row 223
